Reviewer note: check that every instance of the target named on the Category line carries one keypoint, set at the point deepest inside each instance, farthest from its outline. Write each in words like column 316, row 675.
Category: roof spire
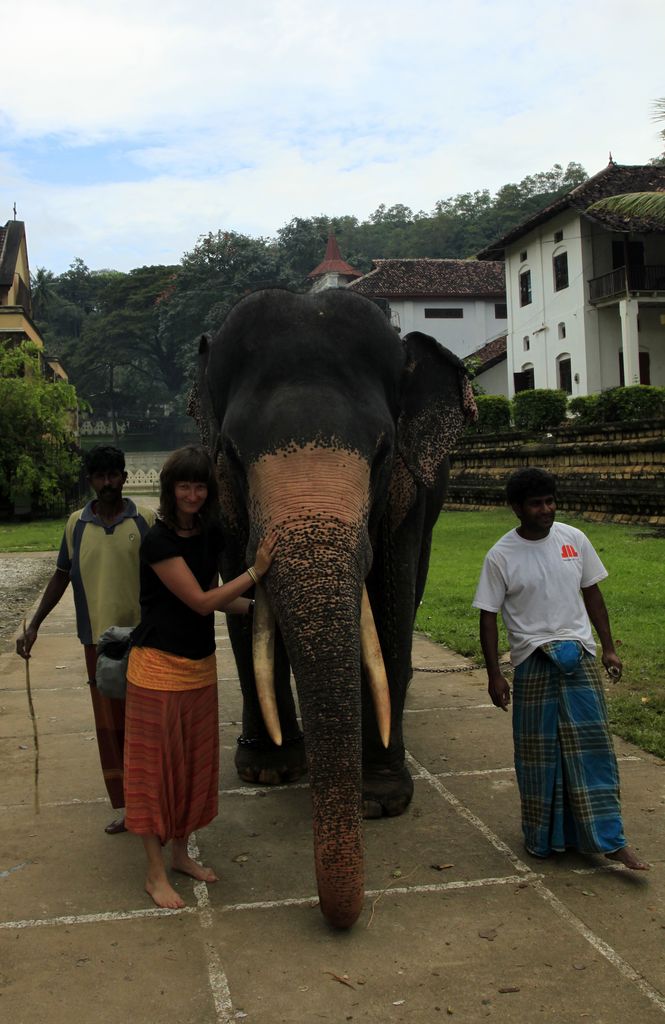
column 333, row 263
column 611, row 160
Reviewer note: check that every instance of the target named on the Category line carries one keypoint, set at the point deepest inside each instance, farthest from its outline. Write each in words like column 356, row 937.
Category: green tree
column 36, row 421
column 42, row 291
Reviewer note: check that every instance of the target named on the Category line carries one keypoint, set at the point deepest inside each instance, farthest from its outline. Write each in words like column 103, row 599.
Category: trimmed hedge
column 620, row 405
column 539, row 409
column 493, row 414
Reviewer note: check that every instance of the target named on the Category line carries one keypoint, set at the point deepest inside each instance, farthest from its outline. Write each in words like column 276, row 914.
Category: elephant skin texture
column 329, row 429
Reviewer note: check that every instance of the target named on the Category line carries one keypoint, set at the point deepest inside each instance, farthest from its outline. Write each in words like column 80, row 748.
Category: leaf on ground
column 509, row 988
column 397, row 873
column 441, row 867
column 489, row 933
column 587, row 892
column 240, row 859
column 342, row 979
column 579, row 967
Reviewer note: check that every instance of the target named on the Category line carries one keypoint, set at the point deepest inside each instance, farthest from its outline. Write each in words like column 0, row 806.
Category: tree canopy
column 128, row 340
column 37, row 416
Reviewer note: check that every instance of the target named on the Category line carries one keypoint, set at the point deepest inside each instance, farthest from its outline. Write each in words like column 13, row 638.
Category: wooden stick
column 35, row 734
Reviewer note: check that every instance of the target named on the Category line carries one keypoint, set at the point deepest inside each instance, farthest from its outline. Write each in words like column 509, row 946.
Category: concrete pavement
column 458, row 922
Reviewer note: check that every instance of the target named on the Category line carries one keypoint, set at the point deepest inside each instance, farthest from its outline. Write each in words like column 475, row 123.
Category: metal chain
column 459, row 668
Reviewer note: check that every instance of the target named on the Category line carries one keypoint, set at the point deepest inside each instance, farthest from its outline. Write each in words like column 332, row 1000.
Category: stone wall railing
column 614, row 472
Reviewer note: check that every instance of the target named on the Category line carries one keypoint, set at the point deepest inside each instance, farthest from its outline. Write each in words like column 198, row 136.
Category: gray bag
column 112, row 656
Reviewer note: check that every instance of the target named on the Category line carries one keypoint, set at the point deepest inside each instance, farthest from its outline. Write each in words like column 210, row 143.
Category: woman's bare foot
column 180, row 861
column 627, row 856
column 162, row 894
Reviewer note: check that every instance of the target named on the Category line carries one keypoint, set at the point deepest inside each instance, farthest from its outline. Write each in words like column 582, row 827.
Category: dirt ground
column 22, row 580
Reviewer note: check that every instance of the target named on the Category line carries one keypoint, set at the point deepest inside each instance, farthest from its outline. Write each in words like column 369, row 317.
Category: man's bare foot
column 627, row 856
column 115, row 827
column 162, row 894
column 181, row 862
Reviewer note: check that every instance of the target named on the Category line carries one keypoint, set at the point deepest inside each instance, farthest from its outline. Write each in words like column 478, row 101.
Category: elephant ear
column 436, row 403
column 199, row 406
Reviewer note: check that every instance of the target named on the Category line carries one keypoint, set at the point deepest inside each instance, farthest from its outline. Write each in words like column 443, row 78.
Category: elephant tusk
column 375, row 669
column 263, row 651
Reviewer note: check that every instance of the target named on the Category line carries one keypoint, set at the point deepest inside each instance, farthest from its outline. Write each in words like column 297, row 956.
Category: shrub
column 493, row 414
column 635, row 402
column 539, row 409
column 585, row 408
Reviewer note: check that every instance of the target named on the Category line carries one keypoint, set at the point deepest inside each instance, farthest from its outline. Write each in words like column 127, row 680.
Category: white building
column 461, row 303
column 586, row 291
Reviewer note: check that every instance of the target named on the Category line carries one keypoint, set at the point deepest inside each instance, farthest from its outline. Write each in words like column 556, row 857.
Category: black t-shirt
column 166, row 622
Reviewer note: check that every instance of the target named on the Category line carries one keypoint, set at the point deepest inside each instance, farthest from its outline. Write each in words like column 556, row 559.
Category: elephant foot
column 260, row 761
column 386, row 793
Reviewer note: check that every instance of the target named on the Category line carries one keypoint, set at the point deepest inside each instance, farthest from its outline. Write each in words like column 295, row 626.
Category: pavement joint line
column 219, row 985
column 402, row 890
column 602, row 947
column 111, row 915
column 468, row 815
column 551, row 899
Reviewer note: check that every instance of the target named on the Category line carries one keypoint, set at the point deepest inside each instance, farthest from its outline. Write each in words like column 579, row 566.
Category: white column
column 628, row 311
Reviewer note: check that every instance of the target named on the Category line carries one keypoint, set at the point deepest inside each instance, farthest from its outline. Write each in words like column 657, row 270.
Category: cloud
column 142, row 125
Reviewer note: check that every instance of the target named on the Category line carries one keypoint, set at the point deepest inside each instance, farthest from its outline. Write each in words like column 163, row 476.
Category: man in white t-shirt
column 543, row 577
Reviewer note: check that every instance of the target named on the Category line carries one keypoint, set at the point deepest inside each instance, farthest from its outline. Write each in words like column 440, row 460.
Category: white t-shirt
column 535, row 584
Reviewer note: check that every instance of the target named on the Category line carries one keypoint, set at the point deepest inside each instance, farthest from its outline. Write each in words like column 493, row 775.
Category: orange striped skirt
column 171, row 761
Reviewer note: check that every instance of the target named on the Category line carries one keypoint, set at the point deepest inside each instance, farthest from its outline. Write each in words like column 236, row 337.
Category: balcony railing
column 649, row 280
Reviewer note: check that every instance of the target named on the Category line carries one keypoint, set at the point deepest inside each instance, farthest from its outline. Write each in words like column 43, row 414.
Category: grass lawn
column 634, row 593
column 41, row 535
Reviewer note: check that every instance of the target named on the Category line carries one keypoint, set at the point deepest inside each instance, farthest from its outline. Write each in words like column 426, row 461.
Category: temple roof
column 333, row 263
column 432, row 278
column 613, row 180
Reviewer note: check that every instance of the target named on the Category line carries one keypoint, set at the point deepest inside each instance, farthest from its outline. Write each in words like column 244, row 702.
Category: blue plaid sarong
column 564, row 758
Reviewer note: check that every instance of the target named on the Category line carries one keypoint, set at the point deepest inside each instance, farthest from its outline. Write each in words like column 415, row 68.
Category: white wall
column 495, row 380
column 539, row 320
column 462, row 336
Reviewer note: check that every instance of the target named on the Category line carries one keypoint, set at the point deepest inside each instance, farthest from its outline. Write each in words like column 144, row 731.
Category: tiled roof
column 430, row 278
column 490, row 353
column 333, row 263
column 613, row 180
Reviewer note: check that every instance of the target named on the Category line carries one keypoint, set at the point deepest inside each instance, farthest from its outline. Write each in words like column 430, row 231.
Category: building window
column 525, row 288
column 524, row 380
column 565, row 373
column 444, row 314
column 561, row 329
column 558, row 236
column 500, row 311
column 523, row 256
column 526, row 343
column 560, row 264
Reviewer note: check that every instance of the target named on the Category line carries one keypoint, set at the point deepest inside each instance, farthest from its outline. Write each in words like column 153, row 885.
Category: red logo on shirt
column 568, row 551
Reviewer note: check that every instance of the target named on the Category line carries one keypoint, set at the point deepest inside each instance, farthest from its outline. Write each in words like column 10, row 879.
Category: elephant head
column 328, row 429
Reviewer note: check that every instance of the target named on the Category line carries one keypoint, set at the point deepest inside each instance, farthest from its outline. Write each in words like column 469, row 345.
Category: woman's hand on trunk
column 265, row 554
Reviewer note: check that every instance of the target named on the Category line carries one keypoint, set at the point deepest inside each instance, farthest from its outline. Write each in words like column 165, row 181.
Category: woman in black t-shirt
column 171, row 728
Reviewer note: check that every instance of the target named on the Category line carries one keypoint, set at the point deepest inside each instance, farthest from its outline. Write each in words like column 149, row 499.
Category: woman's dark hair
column 104, row 458
column 529, row 482
column 191, row 464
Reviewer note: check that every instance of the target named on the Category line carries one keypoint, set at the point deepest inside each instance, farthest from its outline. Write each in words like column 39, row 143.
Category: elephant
column 329, row 429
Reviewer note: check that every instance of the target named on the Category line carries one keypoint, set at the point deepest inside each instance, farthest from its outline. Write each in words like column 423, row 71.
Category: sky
column 130, row 129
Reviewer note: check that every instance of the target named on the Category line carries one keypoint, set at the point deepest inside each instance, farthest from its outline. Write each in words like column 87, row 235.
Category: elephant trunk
column 323, row 644
column 315, row 588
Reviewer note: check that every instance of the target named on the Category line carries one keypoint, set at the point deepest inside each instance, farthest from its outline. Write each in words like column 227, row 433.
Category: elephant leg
column 398, row 575
column 257, row 758
column 387, row 786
